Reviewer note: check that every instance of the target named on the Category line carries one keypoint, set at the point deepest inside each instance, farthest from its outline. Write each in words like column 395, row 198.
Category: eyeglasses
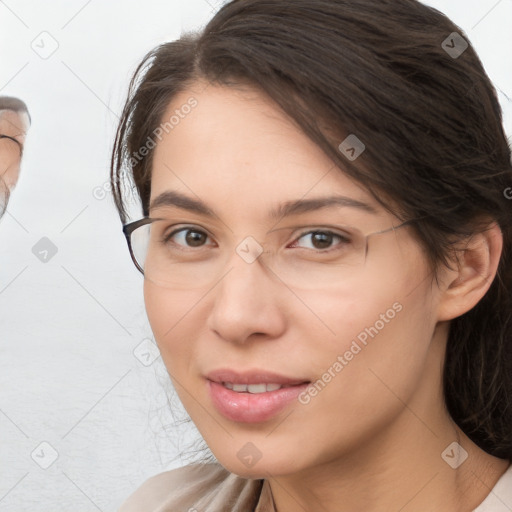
column 187, row 257
column 18, row 143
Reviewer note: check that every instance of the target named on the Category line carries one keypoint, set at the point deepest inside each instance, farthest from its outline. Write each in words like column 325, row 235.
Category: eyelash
column 341, row 237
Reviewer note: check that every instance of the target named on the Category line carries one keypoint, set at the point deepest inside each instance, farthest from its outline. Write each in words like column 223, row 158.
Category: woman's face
column 359, row 331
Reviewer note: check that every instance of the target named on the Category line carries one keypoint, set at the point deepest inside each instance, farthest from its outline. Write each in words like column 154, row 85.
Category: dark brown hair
column 431, row 124
column 14, row 104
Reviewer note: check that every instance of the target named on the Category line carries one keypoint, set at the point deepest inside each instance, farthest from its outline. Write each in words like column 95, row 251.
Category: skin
column 16, row 125
column 372, row 439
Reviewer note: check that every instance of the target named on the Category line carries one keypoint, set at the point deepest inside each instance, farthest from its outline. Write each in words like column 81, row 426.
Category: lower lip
column 252, row 407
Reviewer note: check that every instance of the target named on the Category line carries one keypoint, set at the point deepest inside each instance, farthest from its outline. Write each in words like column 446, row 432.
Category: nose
column 248, row 303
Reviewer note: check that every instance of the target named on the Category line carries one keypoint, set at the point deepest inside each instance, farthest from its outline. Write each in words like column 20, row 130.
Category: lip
column 252, row 407
column 252, row 377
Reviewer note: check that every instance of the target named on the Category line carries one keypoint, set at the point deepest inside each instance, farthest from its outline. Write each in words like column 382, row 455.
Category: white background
column 71, row 328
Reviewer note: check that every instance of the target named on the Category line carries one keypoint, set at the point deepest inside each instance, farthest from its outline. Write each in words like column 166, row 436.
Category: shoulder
column 204, row 487
column 500, row 497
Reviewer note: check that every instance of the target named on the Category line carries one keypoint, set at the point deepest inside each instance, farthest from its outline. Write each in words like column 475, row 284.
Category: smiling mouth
column 254, row 402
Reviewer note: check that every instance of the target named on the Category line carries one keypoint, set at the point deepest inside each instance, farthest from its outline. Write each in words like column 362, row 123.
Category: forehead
column 11, row 120
column 237, row 145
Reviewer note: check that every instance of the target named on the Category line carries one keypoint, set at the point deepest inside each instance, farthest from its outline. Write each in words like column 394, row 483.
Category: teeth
column 257, row 388
column 252, row 388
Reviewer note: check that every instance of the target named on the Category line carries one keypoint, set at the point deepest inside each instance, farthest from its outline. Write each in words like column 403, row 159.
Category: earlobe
column 477, row 264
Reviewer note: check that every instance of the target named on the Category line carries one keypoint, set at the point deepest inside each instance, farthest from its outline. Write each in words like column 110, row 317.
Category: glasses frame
column 18, row 143
column 129, row 228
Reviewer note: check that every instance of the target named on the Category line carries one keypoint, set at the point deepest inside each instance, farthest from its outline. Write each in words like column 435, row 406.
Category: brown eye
column 321, row 240
column 195, row 238
column 188, row 237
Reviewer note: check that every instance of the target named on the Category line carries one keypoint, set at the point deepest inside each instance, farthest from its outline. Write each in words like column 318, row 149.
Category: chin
column 276, row 466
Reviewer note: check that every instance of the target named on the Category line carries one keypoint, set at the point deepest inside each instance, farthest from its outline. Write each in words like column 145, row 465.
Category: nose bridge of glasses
column 252, row 257
column 251, row 252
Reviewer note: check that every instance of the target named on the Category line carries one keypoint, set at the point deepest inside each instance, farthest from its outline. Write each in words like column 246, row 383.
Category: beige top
column 211, row 488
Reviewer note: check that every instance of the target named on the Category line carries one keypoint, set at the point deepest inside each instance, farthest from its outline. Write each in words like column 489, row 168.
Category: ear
column 477, row 262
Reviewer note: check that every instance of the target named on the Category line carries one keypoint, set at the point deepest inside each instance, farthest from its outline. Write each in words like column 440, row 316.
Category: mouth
column 253, row 378
column 252, row 397
column 253, row 388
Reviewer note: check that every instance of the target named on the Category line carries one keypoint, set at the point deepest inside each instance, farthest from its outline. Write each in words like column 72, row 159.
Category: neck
column 404, row 467
column 406, row 474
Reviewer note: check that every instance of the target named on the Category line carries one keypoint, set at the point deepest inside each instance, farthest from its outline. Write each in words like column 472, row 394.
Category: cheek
column 175, row 320
column 169, row 315
column 382, row 329
column 382, row 319
column 366, row 304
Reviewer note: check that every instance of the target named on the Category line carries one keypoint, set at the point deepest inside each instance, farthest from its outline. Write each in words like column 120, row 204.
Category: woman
column 327, row 252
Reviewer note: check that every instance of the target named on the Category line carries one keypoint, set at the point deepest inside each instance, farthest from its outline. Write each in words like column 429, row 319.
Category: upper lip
column 252, row 377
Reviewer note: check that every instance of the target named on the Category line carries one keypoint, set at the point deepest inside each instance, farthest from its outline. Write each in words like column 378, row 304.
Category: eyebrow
column 294, row 207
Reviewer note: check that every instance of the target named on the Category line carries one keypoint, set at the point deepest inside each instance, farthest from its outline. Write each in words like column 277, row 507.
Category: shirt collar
column 266, row 501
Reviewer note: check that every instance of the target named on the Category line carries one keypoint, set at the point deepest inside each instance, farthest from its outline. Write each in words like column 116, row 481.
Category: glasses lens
column 187, row 258
column 329, row 260
column 139, row 243
column 178, row 258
